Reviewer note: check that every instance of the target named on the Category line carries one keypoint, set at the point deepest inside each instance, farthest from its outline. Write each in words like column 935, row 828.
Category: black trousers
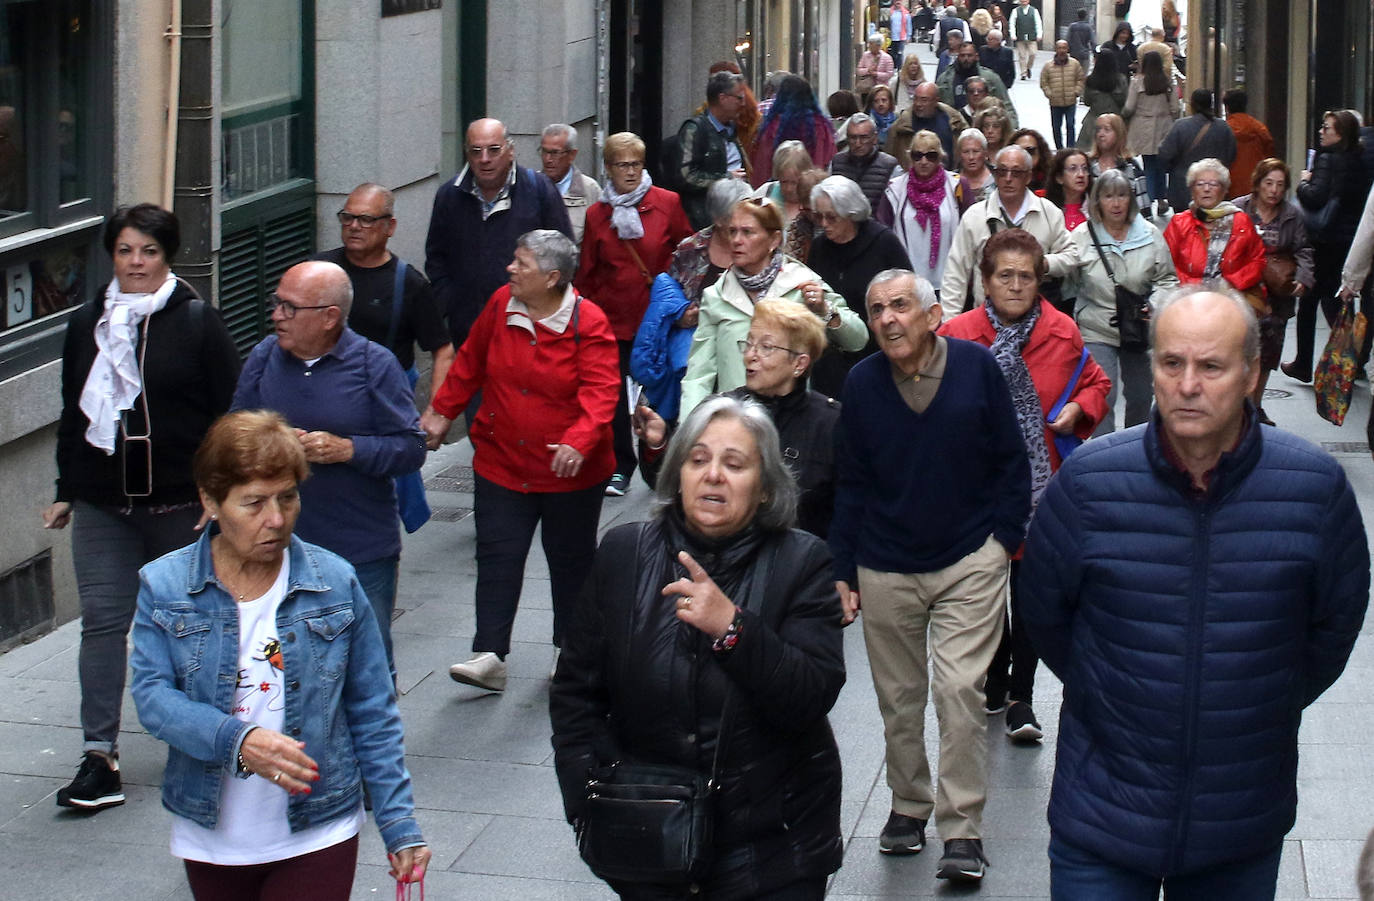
column 1013, row 666
column 505, row 522
column 812, row 889
column 621, row 434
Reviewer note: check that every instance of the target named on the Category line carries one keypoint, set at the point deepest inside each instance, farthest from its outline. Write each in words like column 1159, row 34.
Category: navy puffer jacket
column 1189, row 633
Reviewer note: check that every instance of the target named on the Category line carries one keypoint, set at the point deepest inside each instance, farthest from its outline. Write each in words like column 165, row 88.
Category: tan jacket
column 1166, row 54
column 1062, row 85
column 582, row 193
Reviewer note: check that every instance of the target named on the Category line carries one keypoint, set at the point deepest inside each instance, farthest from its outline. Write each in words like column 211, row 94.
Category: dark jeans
column 1156, row 181
column 1076, row 875
column 621, row 434
column 1013, row 666
column 110, row 545
column 378, row 579
column 802, row 890
column 505, row 522
column 323, row 875
column 1062, row 117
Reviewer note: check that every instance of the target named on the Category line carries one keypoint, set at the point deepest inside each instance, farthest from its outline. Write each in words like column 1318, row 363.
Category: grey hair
column 859, row 119
column 1213, row 164
column 1025, row 156
column 388, row 198
column 721, row 83
column 774, row 81
column 845, row 196
column 922, row 291
column 791, row 154
column 778, row 509
column 562, row 130
column 980, row 80
column 997, row 32
column 1112, row 183
column 1249, row 347
column 722, row 196
column 971, row 133
column 552, row 250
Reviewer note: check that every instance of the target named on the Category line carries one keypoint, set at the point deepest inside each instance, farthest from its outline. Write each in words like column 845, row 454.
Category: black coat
column 848, row 268
column 190, row 368
column 806, row 423
column 636, row 683
column 1340, row 174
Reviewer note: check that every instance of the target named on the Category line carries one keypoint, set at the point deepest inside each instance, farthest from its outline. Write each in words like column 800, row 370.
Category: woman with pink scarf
column 920, row 207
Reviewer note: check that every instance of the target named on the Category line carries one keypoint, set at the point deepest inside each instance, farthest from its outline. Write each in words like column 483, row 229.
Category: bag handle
column 1101, row 255
column 1063, row 401
column 403, row 890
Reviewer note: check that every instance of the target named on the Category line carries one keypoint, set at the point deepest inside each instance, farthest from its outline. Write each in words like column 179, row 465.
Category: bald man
column 1195, row 583
column 351, row 405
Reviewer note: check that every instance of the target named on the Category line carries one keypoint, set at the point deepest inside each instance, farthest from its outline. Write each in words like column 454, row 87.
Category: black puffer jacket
column 806, row 423
column 1340, row 174
column 636, row 683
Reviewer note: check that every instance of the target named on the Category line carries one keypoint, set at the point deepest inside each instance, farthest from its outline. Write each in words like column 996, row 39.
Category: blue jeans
column 1062, row 117
column 1155, row 177
column 111, row 544
column 378, row 578
column 1131, row 374
column 1076, row 875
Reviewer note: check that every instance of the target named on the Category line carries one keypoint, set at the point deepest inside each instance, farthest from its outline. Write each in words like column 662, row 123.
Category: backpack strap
column 397, row 301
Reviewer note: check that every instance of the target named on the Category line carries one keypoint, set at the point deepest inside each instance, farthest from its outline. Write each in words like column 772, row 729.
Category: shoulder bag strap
column 398, row 285
column 1069, row 388
column 643, row 270
column 1102, row 256
column 1198, row 137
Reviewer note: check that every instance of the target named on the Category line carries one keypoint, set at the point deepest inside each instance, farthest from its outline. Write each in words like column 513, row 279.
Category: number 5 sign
column 18, row 295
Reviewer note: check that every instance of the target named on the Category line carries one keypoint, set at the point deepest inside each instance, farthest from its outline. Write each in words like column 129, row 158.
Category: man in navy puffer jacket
column 1195, row 582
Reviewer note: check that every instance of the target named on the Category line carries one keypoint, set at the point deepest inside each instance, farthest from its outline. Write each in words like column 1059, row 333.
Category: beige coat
column 1062, row 85
column 1148, row 117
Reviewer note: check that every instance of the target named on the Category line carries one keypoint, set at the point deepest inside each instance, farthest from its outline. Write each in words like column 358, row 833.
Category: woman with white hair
column 920, row 207
column 790, row 160
column 852, row 249
column 1214, row 238
column 875, row 68
column 975, row 175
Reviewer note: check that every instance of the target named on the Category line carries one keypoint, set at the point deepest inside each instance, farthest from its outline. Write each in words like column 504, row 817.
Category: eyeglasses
column 930, row 156
column 347, row 218
column 1076, row 170
column 1210, row 185
column 289, row 309
column 544, row 151
column 1008, row 172
column 764, row 351
column 740, row 97
column 489, row 150
column 977, row 90
column 627, row 165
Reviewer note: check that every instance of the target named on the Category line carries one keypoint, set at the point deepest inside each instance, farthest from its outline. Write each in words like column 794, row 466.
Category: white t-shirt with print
column 252, row 827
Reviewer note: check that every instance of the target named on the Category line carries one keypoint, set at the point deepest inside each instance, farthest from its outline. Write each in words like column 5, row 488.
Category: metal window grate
column 454, row 478
column 1345, row 447
column 26, row 600
column 449, row 514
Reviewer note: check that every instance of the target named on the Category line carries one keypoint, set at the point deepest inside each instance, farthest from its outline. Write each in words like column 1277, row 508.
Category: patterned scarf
column 1010, row 341
column 761, row 281
column 625, row 208
column 884, row 122
column 1220, row 217
column 926, row 196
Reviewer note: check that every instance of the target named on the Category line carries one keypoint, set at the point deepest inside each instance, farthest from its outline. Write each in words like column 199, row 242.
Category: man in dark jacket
column 1195, row 583
column 863, row 163
column 1081, row 39
column 477, row 218
column 710, row 145
column 1200, row 136
column 998, row 57
column 928, row 553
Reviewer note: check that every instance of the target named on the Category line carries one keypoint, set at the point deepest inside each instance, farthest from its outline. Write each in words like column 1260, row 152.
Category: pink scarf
column 925, row 196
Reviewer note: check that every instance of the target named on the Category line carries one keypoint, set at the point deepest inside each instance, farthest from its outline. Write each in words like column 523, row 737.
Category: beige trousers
column 936, row 630
column 1025, row 57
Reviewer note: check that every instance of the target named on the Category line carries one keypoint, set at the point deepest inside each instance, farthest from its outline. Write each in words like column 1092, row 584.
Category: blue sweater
column 919, row 491
column 358, row 391
column 1189, row 634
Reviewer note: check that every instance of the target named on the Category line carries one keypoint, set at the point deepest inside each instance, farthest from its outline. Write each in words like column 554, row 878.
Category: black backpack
column 670, row 157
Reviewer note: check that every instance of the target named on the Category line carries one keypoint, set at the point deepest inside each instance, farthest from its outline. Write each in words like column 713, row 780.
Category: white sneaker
column 486, row 670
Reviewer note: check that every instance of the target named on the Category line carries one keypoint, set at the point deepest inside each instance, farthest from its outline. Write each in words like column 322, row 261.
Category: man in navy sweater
column 932, row 497
column 1195, row 582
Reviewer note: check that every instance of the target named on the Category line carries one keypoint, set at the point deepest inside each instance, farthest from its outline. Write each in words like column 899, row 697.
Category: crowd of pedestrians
column 860, row 358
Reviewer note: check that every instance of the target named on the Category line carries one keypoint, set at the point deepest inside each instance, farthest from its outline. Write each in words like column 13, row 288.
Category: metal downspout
column 194, row 182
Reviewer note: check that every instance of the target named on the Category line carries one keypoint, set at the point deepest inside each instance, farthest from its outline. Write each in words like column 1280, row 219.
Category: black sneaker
column 963, row 860
column 902, row 835
column 1021, row 725
column 617, row 486
column 994, row 697
column 96, row 785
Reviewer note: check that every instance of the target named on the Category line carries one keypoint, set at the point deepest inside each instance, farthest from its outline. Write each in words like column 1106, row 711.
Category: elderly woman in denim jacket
column 258, row 660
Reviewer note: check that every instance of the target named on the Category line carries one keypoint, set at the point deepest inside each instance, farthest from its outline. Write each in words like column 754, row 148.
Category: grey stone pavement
column 482, row 763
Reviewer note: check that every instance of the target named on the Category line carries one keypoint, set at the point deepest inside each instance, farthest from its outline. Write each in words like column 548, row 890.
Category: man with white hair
column 1012, row 205
column 1195, row 584
column 558, row 156
column 925, row 555
column 351, row 405
column 1027, row 29
column 998, row 57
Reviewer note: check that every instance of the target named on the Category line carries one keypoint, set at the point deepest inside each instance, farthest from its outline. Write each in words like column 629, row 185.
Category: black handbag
column 1132, row 319
column 652, row 823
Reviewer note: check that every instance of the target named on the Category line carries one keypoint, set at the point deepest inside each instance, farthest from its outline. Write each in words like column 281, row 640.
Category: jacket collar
column 304, row 572
column 1230, row 470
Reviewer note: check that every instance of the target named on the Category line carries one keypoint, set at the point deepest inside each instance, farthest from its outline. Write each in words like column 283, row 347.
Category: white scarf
column 115, row 382
column 625, row 208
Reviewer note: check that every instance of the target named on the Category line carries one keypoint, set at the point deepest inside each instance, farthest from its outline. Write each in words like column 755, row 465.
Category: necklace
column 242, row 586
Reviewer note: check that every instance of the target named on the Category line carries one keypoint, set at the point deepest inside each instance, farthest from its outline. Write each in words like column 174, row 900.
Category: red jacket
column 1242, row 264
column 609, row 276
column 1051, row 355
column 547, row 389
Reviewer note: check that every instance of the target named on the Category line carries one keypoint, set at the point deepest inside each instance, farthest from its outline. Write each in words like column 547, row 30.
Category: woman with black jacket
column 1337, row 176
column 784, row 340
column 715, row 605
column 146, row 368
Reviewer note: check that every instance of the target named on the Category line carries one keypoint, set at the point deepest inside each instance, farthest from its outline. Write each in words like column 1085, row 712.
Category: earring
column 214, row 516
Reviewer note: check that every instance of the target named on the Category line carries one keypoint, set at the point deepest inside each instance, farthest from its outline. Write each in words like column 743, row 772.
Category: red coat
column 1242, row 264
column 548, row 389
column 608, row 274
column 1051, row 355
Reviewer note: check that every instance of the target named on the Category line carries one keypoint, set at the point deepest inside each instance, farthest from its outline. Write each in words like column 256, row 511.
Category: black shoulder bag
column 652, row 823
column 1132, row 317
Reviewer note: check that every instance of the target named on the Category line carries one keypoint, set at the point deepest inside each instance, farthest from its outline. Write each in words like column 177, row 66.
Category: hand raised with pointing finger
column 700, row 602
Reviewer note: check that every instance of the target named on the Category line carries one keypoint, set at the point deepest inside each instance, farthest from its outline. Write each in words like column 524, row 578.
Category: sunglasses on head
column 929, row 155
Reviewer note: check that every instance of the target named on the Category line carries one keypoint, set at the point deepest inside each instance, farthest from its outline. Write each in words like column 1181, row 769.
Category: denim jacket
column 339, row 696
